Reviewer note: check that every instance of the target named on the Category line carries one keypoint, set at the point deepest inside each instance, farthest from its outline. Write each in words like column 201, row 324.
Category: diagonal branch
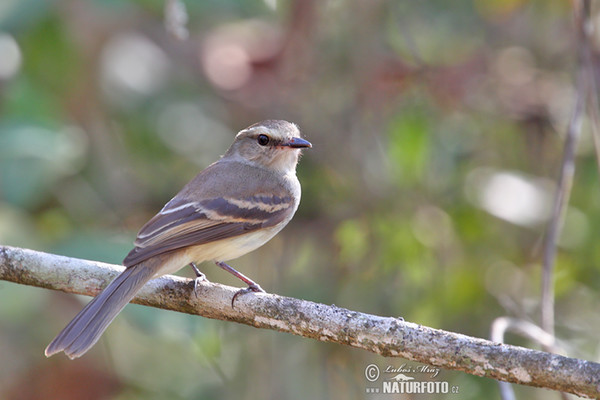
column 390, row 337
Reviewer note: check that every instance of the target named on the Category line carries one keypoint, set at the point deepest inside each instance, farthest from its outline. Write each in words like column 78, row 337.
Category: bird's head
column 272, row 143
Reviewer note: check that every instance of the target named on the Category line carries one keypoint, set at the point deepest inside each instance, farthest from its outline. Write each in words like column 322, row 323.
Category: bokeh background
column 437, row 130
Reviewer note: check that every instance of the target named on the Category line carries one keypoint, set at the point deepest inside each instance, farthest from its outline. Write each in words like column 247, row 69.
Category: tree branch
column 567, row 171
column 387, row 336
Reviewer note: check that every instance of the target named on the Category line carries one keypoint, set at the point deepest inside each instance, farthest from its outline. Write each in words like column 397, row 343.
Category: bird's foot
column 252, row 286
column 200, row 277
column 255, row 287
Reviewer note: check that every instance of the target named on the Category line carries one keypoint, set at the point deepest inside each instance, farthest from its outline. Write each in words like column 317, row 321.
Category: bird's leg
column 252, row 286
column 200, row 277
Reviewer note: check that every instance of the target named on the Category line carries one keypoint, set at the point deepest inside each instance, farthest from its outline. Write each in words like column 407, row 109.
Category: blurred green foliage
column 413, row 108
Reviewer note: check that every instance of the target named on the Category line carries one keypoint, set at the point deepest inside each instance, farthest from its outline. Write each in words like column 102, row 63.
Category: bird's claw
column 200, row 277
column 255, row 287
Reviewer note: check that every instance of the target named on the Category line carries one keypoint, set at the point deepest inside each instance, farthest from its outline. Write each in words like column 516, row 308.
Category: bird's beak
column 297, row 143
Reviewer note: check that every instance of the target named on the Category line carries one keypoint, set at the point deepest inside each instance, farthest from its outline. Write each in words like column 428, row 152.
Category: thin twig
column 594, row 103
column 176, row 19
column 523, row 328
column 594, row 117
column 387, row 336
column 565, row 180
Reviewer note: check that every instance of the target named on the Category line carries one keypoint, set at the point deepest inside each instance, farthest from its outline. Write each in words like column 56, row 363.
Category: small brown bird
column 232, row 207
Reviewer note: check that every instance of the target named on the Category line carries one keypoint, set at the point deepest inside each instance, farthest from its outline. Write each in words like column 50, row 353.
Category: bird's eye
column 263, row 140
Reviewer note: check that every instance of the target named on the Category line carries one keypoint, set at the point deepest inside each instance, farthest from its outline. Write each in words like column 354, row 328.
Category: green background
column 437, row 131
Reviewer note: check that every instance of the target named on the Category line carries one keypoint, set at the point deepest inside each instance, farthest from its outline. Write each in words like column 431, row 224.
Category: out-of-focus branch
column 176, row 19
column 523, row 328
column 594, row 104
column 586, row 88
column 565, row 179
column 387, row 336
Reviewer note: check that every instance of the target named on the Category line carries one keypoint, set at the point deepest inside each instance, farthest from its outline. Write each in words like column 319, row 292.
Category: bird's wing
column 189, row 219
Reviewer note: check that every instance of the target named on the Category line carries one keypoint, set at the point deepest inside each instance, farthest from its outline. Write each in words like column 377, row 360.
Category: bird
column 232, row 207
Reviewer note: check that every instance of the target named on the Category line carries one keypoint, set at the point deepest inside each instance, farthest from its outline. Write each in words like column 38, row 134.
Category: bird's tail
column 87, row 326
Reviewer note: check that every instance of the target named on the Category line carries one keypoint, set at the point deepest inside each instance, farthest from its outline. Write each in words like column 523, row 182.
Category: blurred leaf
column 17, row 227
column 15, row 15
column 33, row 159
column 50, row 59
column 352, row 237
column 26, row 101
column 94, row 245
column 409, row 145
